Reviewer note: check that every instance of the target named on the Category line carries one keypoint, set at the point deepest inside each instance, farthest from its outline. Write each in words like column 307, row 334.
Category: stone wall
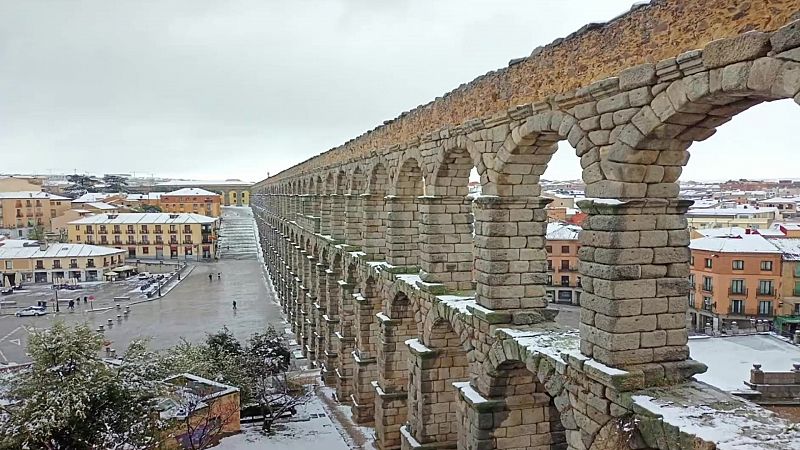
column 440, row 355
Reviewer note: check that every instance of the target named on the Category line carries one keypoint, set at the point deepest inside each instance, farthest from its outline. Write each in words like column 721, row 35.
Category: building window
column 737, row 306
column 765, row 287
column 707, row 284
column 145, row 250
column 766, row 265
column 73, row 263
column 549, row 264
column 173, row 228
column 708, row 263
column 130, row 229
column 564, row 264
column 158, row 229
column 707, row 303
column 691, row 260
column 116, row 229
column 144, row 229
column 187, row 228
column 738, row 264
column 565, row 249
column 548, row 248
column 549, row 277
column 565, row 280
column 765, row 308
column 737, row 287
column 9, row 265
column 691, row 300
column 796, row 289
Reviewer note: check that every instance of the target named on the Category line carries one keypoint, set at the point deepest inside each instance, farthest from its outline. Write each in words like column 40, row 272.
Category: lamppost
column 55, row 288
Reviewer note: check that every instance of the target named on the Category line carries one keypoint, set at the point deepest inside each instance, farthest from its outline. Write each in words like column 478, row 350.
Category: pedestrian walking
column 219, row 275
column 210, row 277
column 85, row 299
column 234, row 305
column 72, row 305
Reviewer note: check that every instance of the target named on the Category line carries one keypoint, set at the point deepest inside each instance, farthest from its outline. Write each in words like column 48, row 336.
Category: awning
column 124, row 269
column 110, row 273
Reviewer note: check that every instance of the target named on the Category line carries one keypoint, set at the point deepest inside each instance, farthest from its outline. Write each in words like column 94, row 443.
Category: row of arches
column 410, row 216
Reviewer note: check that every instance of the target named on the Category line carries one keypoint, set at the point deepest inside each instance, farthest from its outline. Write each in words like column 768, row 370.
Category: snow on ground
column 316, row 433
column 729, row 359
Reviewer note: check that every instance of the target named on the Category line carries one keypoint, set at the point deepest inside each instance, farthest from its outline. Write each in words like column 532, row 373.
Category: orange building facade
column 564, row 280
column 191, row 200
column 735, row 282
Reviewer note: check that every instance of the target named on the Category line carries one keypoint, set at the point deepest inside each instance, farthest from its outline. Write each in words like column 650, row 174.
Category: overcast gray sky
column 236, row 89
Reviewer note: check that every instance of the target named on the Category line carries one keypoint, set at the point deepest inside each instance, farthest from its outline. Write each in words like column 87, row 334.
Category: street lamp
column 55, row 288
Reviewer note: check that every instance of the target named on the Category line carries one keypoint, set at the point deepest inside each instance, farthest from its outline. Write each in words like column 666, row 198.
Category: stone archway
column 402, row 240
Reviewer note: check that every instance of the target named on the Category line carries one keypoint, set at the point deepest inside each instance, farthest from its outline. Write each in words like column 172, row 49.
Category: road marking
column 9, row 334
column 15, row 341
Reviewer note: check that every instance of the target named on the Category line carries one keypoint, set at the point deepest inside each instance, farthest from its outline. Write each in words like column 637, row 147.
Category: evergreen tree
column 70, row 399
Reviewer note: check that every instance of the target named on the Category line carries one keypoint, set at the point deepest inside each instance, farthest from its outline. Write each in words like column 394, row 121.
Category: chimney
column 43, row 245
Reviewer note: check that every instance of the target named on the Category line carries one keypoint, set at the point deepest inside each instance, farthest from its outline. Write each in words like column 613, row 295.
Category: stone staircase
column 237, row 236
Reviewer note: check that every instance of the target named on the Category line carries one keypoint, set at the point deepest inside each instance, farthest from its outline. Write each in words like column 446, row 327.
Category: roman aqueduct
column 426, row 309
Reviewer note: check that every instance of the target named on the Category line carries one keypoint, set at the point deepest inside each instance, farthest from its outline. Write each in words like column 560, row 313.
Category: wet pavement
column 195, row 306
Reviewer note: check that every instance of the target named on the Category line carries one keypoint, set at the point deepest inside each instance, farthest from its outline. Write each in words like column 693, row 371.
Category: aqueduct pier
column 426, row 310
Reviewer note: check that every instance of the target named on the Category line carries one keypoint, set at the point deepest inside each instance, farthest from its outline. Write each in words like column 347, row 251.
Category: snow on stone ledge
column 469, row 392
column 459, row 303
column 417, row 346
column 410, row 279
column 698, row 409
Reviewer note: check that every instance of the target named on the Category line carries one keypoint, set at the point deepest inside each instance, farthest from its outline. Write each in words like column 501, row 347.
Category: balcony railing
column 90, row 265
column 708, row 307
column 39, row 267
column 736, row 311
column 707, row 288
column 188, row 241
column 737, row 291
column 73, row 266
column 766, row 292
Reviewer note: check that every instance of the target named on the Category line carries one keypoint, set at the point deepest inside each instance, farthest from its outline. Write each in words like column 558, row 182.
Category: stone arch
column 378, row 181
column 435, row 364
column 522, row 159
column 532, row 402
column 410, row 178
column 440, row 313
column 403, row 216
column 374, row 212
column 450, row 176
column 357, row 181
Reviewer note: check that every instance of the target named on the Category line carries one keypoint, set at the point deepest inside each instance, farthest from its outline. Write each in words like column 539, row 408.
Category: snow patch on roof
column 748, row 243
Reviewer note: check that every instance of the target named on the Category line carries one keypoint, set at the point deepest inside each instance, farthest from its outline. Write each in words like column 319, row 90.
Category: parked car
column 144, row 275
column 31, row 311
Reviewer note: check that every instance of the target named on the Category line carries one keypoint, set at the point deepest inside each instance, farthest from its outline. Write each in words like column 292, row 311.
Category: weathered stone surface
column 744, row 47
column 786, row 37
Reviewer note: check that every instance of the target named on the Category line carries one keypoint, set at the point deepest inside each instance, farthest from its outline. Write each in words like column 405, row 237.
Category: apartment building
column 787, row 206
column 33, row 262
column 742, row 216
column 563, row 279
column 733, row 279
column 149, row 235
column 191, row 200
column 21, row 211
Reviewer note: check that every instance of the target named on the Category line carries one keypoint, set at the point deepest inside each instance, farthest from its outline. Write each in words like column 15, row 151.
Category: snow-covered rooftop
column 148, row 196
column 33, row 251
column 37, row 195
column 747, row 243
column 739, row 211
column 91, row 197
column 789, row 247
column 191, row 191
column 130, row 218
column 729, row 359
column 204, row 183
column 782, row 200
column 101, row 205
column 557, row 231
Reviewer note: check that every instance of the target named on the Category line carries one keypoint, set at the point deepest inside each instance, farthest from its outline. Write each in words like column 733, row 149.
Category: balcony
column 73, row 265
column 188, row 241
column 766, row 292
column 207, row 241
column 90, row 265
column 56, row 266
column 738, row 291
column 40, row 267
column 707, row 288
column 708, row 307
column 102, row 231
column 568, row 269
column 117, row 231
